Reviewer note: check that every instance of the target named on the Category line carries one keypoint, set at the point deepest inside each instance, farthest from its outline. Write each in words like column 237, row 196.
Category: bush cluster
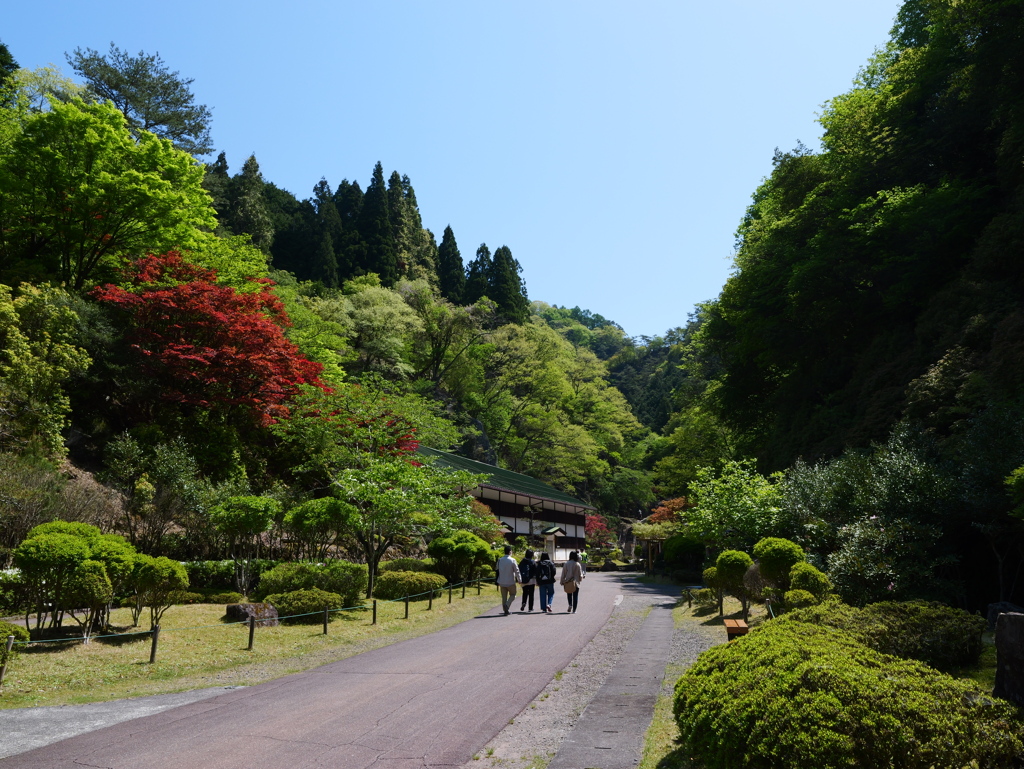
column 229, row 597
column 804, row 576
column 407, row 564
column 220, row 575
column 186, row 598
column 309, row 603
column 21, row 635
column 393, row 585
column 939, row 635
column 348, row 580
column 793, row 694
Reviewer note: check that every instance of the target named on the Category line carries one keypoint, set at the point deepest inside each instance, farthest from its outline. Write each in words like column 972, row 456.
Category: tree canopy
column 151, row 96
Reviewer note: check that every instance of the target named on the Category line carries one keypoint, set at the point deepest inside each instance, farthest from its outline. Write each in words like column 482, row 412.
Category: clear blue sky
column 612, row 146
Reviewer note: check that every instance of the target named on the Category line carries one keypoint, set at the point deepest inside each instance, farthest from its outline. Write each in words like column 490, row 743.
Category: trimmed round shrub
column 346, row 579
column 791, row 694
column 939, row 635
column 308, row 603
column 407, row 564
column 225, row 598
column 732, row 566
column 705, row 597
column 806, row 576
column 776, row 558
column 485, row 572
column 21, row 635
column 710, row 577
column 392, row 585
column 797, row 599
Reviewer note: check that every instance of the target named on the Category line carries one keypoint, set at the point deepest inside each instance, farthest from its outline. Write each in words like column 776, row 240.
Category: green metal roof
column 503, row 480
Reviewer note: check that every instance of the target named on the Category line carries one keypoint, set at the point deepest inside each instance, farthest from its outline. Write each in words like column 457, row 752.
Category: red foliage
column 598, row 532
column 669, row 510
column 210, row 345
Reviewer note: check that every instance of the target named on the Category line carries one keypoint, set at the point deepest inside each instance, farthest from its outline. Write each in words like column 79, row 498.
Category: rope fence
column 252, row 622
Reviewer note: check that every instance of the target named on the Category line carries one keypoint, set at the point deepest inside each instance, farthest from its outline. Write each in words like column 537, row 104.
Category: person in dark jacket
column 546, row 582
column 528, row 572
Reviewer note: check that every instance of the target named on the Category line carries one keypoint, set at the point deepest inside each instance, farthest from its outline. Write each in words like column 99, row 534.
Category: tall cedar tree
column 8, row 65
column 451, row 273
column 506, row 288
column 478, row 274
column 375, row 227
column 326, row 266
column 209, row 346
column 217, row 182
column 151, row 97
column 249, row 213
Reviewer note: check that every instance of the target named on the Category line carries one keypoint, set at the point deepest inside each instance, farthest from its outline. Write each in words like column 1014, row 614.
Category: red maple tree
column 669, row 510
column 599, row 534
column 209, row 345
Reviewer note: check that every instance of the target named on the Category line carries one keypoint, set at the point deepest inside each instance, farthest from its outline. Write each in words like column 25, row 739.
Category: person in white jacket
column 572, row 576
column 508, row 578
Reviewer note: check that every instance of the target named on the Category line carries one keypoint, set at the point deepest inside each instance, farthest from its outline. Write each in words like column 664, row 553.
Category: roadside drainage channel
column 610, row 732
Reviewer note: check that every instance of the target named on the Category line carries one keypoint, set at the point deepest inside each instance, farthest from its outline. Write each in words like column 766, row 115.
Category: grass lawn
column 198, row 649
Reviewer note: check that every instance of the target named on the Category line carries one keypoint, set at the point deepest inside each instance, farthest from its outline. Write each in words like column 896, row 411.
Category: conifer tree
column 249, row 212
column 217, row 182
column 348, row 199
column 478, row 274
column 451, row 273
column 375, row 227
column 8, row 65
column 327, row 268
column 506, row 288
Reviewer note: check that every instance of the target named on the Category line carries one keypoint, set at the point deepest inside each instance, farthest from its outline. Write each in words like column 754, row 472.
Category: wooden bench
column 734, row 628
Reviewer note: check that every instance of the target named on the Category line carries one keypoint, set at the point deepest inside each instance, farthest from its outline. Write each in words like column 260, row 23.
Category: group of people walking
column 541, row 573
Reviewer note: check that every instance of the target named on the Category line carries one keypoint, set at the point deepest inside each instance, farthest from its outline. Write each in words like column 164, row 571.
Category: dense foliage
column 941, row 636
column 793, row 694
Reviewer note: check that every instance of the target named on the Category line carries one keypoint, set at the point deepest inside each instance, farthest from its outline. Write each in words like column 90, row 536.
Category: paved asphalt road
column 430, row 701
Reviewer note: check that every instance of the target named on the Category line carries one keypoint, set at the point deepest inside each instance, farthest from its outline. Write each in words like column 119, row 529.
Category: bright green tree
column 242, row 521
column 734, row 507
column 156, row 581
column 391, row 500
column 38, row 356
column 79, row 194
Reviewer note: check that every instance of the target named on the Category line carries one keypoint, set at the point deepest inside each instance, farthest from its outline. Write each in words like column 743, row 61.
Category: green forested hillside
column 186, row 331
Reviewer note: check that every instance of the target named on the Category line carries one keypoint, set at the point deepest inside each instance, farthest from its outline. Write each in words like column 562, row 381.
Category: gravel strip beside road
column 533, row 738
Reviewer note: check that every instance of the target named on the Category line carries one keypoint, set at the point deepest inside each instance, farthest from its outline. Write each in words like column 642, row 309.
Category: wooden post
column 449, row 592
column 478, row 587
column 7, row 655
column 374, row 612
column 463, row 589
column 252, row 630
column 156, row 639
column 325, row 620
column 407, row 607
column 430, row 601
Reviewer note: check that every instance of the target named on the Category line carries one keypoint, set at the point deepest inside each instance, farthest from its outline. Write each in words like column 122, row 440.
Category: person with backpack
column 546, row 581
column 528, row 572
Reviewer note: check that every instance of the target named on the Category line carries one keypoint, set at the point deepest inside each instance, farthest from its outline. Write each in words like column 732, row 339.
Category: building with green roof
column 550, row 519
